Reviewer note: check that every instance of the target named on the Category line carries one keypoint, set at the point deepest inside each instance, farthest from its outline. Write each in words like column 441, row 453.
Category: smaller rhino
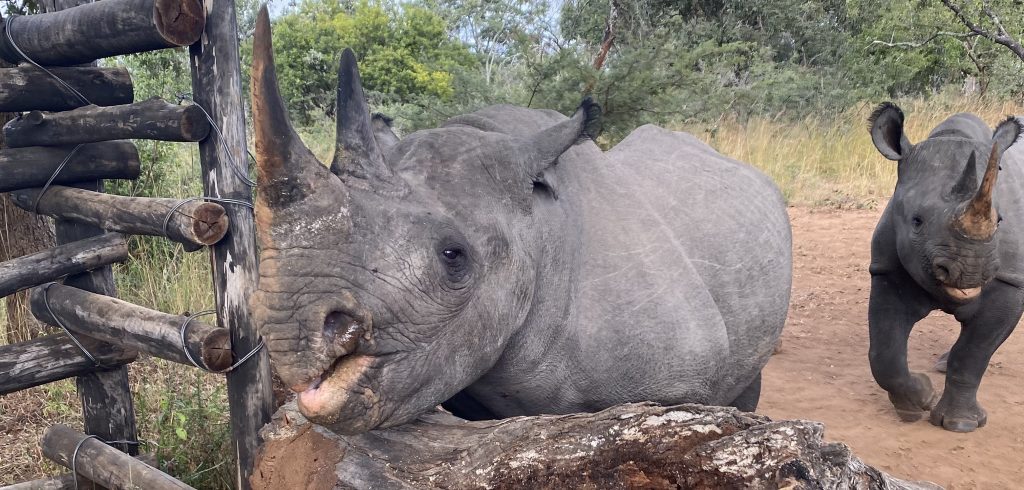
column 949, row 242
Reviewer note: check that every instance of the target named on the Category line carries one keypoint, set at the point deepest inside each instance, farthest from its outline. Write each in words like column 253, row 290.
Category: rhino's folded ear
column 1007, row 133
column 886, row 127
column 548, row 144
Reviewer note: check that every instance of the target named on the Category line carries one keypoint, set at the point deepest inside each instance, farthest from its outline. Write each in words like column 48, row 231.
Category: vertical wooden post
column 107, row 408
column 217, row 87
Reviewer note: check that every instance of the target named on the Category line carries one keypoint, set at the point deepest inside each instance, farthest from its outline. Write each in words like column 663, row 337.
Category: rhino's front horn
column 286, row 169
column 979, row 219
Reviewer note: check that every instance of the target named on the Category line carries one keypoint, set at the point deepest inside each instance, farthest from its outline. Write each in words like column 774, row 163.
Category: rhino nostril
column 942, row 272
column 341, row 330
column 333, row 322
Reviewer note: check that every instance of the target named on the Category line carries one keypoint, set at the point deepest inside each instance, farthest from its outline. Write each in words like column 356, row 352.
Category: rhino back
column 692, row 247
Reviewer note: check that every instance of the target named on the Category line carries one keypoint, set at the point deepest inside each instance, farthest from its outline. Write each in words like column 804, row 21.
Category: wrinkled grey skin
column 503, row 263
column 918, row 251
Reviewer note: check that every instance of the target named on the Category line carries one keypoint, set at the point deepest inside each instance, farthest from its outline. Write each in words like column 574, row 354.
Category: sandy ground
column 821, row 372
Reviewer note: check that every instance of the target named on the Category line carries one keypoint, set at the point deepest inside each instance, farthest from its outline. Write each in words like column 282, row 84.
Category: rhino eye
column 916, row 221
column 456, row 262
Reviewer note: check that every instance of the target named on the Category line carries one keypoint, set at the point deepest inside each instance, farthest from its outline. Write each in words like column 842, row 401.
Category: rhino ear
column 886, row 126
column 548, row 144
column 1007, row 133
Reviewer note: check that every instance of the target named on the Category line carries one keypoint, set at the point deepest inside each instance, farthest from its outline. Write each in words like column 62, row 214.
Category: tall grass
column 830, row 160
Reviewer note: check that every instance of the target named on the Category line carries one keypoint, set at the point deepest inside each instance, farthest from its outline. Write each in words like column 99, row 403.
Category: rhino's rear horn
column 356, row 150
column 978, row 220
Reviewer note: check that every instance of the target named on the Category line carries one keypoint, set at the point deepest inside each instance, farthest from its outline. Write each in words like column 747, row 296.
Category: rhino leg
column 747, row 401
column 896, row 304
column 992, row 321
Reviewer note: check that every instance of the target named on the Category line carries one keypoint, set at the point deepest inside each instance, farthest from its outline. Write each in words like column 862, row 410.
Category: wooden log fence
column 67, row 481
column 53, row 358
column 56, row 158
column 194, row 224
column 55, row 263
column 102, row 464
column 152, row 119
column 122, row 323
column 27, row 88
column 33, row 166
column 102, row 29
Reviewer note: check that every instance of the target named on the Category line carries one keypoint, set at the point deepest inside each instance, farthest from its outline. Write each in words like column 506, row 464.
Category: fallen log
column 101, row 463
column 194, row 224
column 52, row 358
column 32, row 166
column 66, row 481
column 132, row 326
column 103, row 29
column 28, row 88
column 153, row 119
column 52, row 264
column 628, row 446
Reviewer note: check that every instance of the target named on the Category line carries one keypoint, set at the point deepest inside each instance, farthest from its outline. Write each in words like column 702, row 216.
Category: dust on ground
column 821, row 371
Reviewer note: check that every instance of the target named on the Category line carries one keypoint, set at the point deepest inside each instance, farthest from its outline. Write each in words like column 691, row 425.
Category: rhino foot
column 912, row 404
column 963, row 416
column 940, row 363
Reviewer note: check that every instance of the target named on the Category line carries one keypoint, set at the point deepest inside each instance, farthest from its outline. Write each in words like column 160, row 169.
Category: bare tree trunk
column 21, row 233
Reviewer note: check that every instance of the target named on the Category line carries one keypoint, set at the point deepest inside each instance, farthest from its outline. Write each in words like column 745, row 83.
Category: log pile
column 628, row 446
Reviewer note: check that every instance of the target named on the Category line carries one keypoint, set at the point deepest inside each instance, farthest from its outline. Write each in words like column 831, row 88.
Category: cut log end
column 216, row 350
column 194, row 125
column 180, row 22
column 210, row 223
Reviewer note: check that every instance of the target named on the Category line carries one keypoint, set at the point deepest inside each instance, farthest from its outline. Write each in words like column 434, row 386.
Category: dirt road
column 822, row 373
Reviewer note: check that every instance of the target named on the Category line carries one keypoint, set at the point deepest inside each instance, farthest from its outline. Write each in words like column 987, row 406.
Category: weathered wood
column 153, row 119
column 107, row 407
column 194, row 224
column 132, row 326
column 217, row 86
column 628, row 446
column 28, row 88
column 55, row 263
column 103, row 29
column 103, row 464
column 33, row 166
column 66, row 481
column 52, row 358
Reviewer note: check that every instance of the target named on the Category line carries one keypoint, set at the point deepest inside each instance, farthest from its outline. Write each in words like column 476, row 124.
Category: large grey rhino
column 504, row 265
column 948, row 241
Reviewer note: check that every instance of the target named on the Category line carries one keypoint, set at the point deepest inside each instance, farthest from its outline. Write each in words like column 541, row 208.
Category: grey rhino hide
column 505, row 259
column 949, row 239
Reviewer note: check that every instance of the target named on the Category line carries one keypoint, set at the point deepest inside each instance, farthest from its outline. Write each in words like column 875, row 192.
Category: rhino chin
column 342, row 401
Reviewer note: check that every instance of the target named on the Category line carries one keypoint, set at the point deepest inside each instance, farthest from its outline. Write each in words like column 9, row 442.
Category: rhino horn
column 356, row 150
column 978, row 219
column 548, row 144
column 285, row 166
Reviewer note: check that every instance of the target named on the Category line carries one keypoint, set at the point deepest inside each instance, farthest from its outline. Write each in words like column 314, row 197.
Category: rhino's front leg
column 989, row 323
column 896, row 304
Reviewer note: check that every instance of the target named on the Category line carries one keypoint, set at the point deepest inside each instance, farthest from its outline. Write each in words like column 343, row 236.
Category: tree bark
column 217, row 86
column 628, row 446
column 103, row 464
column 194, row 224
column 132, row 326
column 54, row 263
column 34, row 165
column 103, row 29
column 152, row 119
column 28, row 88
column 53, row 358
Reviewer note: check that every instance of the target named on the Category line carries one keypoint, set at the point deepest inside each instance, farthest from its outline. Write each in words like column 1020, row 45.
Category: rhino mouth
column 961, row 294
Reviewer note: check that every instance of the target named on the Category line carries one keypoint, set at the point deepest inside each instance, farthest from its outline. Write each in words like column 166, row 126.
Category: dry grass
column 831, row 161
column 182, row 413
